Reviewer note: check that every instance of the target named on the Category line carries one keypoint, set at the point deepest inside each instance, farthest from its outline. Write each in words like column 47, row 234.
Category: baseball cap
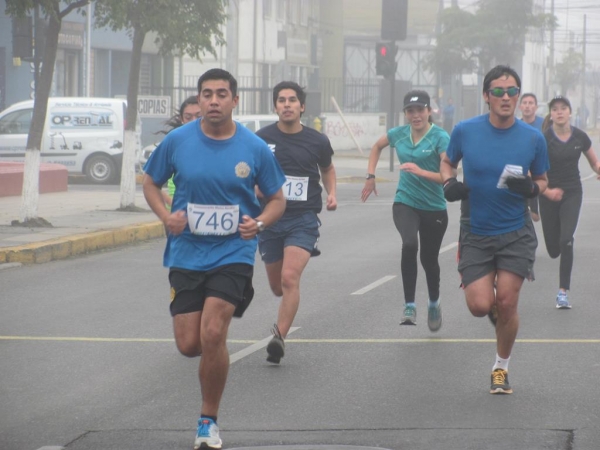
column 416, row 98
column 559, row 98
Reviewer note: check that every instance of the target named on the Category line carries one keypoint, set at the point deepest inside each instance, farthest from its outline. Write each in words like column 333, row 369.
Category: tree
column 31, row 180
column 182, row 27
column 494, row 34
column 568, row 71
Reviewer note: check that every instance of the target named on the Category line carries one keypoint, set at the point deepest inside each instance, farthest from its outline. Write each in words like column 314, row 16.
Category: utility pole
column 583, row 107
column 550, row 93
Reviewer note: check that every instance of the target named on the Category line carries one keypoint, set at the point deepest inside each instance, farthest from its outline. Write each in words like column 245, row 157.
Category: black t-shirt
column 300, row 155
column 564, row 158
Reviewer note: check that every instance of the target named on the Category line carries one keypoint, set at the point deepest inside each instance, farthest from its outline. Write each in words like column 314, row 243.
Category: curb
column 79, row 244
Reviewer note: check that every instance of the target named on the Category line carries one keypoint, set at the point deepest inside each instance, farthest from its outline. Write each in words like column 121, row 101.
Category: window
column 281, row 10
column 304, row 12
column 292, row 11
column 17, row 122
column 267, row 8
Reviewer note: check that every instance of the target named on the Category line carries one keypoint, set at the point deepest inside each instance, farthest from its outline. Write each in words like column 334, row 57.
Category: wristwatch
column 261, row 225
column 370, row 176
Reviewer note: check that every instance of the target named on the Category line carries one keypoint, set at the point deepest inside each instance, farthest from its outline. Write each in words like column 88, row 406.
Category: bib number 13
column 296, row 188
column 213, row 220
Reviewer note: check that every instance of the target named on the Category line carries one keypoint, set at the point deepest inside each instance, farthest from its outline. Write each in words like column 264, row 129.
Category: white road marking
column 387, row 278
column 374, row 285
column 448, row 247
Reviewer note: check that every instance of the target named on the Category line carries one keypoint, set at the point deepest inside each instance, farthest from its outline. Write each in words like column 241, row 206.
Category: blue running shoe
column 562, row 301
column 208, row 435
column 409, row 317
column 434, row 317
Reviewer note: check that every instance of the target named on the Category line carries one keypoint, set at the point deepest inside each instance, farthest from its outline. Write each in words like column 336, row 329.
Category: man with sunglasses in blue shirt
column 497, row 238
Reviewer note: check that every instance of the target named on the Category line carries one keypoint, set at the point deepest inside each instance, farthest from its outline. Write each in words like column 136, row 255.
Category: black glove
column 524, row 186
column 455, row 190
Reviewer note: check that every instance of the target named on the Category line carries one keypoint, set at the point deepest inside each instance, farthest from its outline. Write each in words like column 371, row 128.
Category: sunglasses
column 499, row 92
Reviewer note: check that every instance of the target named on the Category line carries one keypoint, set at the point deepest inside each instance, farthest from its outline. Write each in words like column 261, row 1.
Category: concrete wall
column 365, row 128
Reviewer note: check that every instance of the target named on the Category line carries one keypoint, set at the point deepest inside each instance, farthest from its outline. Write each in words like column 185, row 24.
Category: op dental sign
column 154, row 106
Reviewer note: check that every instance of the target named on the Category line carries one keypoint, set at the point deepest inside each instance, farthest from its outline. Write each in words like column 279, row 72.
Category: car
column 256, row 122
column 252, row 122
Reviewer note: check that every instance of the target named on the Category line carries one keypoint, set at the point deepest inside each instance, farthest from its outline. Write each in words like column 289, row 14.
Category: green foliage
column 568, row 71
column 494, row 34
column 49, row 8
column 181, row 26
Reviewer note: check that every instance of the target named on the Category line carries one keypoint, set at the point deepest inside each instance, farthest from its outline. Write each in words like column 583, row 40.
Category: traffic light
column 385, row 59
column 22, row 37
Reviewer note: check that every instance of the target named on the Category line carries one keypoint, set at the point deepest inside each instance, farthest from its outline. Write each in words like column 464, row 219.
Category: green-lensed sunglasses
column 499, row 92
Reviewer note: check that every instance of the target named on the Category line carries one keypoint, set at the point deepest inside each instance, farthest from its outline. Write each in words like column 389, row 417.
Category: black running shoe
column 276, row 346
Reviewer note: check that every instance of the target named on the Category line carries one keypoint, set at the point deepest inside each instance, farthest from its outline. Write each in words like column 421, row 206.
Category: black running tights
column 559, row 222
column 428, row 228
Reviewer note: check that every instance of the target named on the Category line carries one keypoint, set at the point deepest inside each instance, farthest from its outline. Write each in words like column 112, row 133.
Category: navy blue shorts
column 231, row 282
column 300, row 230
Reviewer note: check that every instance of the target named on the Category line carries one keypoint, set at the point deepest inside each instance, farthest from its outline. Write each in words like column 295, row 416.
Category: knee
column 478, row 309
column 410, row 247
column 566, row 244
column 213, row 334
column 276, row 289
column 189, row 348
column 290, row 279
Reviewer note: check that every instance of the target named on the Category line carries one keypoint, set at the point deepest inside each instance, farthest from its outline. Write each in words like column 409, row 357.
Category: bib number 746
column 213, row 220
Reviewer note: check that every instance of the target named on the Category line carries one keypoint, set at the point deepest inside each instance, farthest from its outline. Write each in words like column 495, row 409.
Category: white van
column 84, row 134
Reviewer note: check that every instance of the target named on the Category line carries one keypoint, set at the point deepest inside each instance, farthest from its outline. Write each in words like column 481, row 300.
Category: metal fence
column 256, row 95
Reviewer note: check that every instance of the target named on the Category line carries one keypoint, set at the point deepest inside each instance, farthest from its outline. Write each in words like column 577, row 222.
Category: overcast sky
column 570, row 14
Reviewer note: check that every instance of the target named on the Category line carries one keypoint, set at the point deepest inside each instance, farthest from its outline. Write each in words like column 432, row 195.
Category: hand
column 176, row 222
column 248, row 228
column 411, row 168
column 369, row 187
column 455, row 190
column 524, row 186
column 331, row 203
column 554, row 194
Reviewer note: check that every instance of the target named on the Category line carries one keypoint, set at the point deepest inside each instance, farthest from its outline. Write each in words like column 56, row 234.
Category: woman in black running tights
column 561, row 202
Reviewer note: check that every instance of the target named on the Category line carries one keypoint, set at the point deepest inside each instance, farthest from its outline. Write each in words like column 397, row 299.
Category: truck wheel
column 100, row 169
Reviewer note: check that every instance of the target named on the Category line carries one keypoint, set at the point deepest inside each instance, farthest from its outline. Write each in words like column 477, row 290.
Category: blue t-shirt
column 213, row 172
column 537, row 123
column 485, row 150
column 413, row 190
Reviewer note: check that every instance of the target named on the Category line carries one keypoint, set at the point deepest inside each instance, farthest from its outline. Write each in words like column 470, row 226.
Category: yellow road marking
column 308, row 341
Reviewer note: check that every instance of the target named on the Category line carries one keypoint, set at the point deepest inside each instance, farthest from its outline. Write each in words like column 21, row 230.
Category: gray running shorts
column 513, row 252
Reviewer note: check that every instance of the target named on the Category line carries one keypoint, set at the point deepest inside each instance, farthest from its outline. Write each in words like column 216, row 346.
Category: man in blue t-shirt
column 305, row 155
column 212, row 228
column 528, row 106
column 497, row 238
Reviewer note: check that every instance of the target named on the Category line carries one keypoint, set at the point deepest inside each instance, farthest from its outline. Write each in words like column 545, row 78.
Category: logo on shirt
column 242, row 170
column 427, row 150
column 272, row 147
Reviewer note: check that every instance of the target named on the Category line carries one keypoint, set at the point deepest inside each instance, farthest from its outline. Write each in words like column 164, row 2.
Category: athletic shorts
column 190, row 288
column 513, row 252
column 300, row 230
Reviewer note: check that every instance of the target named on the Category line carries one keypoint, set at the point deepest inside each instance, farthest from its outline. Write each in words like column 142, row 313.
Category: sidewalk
column 85, row 221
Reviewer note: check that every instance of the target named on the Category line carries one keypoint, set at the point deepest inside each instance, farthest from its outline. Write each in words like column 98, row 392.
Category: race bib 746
column 213, row 220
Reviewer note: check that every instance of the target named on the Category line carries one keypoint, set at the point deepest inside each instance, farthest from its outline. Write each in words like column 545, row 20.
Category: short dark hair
column 529, row 94
column 191, row 100
column 496, row 73
column 289, row 85
column 218, row 74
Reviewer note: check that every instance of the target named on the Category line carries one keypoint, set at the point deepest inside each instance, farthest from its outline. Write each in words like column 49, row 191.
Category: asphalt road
column 88, row 359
